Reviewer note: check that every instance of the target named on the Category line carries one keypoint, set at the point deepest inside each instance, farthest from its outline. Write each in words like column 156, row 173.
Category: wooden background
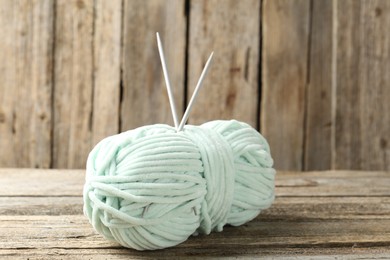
column 312, row 75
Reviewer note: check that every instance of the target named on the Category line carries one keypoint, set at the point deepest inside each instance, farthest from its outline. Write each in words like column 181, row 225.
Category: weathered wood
column 328, row 221
column 74, row 231
column 284, row 77
column 28, row 182
column 347, row 253
column 333, row 183
column 362, row 130
column 295, row 208
column 321, row 195
column 317, row 139
column 332, row 207
column 346, row 147
column 145, row 99
column 41, row 205
column 345, row 123
column 76, row 71
column 26, row 48
column 375, row 80
column 107, row 68
column 73, row 83
column 232, row 30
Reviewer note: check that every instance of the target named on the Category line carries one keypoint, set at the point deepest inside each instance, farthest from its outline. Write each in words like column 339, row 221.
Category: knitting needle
column 167, row 82
column 195, row 94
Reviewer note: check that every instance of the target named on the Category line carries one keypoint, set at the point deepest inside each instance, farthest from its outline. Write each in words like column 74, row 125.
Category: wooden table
column 323, row 214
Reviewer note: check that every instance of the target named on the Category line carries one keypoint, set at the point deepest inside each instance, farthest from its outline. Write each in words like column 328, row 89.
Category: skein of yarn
column 153, row 187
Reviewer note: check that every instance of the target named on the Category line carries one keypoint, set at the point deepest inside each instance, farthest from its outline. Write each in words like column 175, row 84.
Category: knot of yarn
column 152, row 188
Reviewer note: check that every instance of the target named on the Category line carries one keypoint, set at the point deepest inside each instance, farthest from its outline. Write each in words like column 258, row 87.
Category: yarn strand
column 153, row 187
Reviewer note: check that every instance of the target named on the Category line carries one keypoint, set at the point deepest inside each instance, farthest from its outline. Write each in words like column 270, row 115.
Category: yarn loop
column 153, row 187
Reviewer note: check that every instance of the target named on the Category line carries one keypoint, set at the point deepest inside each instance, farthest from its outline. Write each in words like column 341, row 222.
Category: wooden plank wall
column 313, row 76
column 326, row 87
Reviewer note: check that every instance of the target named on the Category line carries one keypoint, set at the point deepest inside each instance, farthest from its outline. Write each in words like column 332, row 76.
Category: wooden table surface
column 330, row 214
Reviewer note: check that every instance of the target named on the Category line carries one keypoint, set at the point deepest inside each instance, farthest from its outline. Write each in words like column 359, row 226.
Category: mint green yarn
column 153, row 187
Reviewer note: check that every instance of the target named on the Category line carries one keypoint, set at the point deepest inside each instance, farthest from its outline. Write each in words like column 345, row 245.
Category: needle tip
column 211, row 56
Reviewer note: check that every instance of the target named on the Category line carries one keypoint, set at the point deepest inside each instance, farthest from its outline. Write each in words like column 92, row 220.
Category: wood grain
column 346, row 149
column 28, row 182
column 293, row 208
column 107, row 68
column 348, row 253
column 333, row 183
column 326, row 207
column 41, row 205
column 145, row 99
column 74, row 72
column 26, row 48
column 302, row 223
column 68, row 231
column 284, row 79
column 231, row 87
column 307, row 184
column 73, row 86
column 362, row 121
column 317, row 138
column 375, row 80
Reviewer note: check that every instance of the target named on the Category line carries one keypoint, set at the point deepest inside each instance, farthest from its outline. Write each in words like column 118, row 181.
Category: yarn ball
column 152, row 187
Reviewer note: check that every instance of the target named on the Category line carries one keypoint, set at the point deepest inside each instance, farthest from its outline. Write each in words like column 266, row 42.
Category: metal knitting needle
column 195, row 94
column 167, row 82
